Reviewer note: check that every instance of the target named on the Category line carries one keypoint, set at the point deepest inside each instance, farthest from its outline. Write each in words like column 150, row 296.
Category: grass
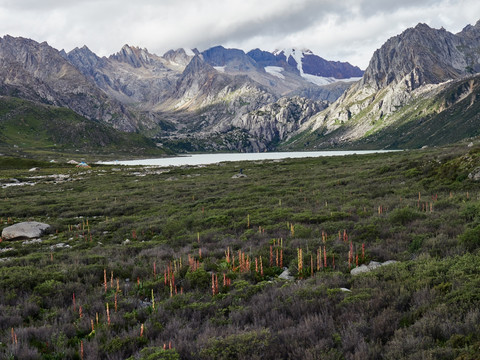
column 32, row 129
column 416, row 207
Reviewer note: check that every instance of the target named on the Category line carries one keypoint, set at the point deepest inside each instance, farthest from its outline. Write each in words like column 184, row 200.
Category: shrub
column 403, row 216
column 471, row 238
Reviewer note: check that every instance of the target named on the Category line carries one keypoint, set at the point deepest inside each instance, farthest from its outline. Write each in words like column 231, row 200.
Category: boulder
column 474, row 175
column 238, row 176
column 373, row 265
column 25, row 230
column 285, row 275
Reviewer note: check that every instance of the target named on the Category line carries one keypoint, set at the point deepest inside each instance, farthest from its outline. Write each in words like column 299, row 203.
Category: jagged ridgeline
column 185, row 98
column 420, row 88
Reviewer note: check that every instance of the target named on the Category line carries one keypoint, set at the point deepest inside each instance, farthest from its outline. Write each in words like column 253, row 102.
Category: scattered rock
column 475, row 175
column 25, row 230
column 33, row 241
column 239, row 175
column 34, row 169
column 285, row 275
column 470, row 144
column 60, row 246
column 373, row 265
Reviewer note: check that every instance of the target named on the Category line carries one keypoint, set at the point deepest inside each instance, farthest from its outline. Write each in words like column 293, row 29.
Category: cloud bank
column 342, row 30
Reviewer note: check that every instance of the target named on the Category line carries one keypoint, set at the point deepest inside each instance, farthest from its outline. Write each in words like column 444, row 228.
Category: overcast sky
column 342, row 30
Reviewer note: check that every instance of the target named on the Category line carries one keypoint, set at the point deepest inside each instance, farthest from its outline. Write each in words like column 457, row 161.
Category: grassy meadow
column 183, row 263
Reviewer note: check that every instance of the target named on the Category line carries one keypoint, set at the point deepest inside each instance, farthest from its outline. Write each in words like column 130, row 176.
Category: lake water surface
column 205, row 159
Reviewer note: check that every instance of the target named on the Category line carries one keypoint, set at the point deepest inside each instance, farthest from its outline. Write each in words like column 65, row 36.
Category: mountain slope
column 28, row 126
column 408, row 68
column 38, row 72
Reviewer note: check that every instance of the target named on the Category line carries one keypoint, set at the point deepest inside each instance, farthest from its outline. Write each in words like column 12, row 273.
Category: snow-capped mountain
column 305, row 63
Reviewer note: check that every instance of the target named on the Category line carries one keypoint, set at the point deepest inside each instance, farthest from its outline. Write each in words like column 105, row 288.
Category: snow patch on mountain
column 275, row 71
column 220, row 69
column 297, row 56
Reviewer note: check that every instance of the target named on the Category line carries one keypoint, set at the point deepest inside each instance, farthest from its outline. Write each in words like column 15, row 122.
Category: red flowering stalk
column 105, row 279
column 213, row 284
column 319, row 257
column 108, row 315
column 271, row 256
column 324, row 257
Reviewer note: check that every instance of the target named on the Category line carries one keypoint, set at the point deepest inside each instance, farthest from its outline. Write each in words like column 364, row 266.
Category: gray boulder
column 474, row 175
column 25, row 230
column 285, row 275
column 373, row 265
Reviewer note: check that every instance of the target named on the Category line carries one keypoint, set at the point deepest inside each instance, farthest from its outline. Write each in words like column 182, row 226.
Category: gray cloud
column 348, row 30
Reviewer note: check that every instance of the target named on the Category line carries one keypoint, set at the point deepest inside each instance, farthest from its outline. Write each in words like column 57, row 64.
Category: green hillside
column 27, row 127
column 449, row 116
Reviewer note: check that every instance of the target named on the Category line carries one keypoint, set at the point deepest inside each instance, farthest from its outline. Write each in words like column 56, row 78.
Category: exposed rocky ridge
column 181, row 93
column 132, row 76
column 274, row 123
column 412, row 63
column 38, row 72
column 258, row 130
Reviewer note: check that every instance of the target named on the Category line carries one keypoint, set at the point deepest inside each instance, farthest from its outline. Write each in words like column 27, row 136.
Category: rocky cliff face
column 180, row 94
column 274, row 123
column 38, row 72
column 405, row 67
column 132, row 76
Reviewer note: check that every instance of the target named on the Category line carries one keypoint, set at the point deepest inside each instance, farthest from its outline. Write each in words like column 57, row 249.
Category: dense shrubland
column 184, row 263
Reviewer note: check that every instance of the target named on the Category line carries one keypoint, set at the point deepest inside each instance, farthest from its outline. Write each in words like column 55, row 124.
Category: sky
column 339, row 30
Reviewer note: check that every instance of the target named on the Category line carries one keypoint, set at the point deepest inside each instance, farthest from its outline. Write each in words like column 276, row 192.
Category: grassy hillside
column 446, row 117
column 27, row 127
column 138, row 248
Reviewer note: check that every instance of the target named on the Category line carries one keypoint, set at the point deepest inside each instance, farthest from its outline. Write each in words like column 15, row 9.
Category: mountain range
column 228, row 99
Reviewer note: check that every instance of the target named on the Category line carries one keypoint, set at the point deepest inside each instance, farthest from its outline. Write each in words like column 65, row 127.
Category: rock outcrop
column 25, row 230
column 409, row 65
column 371, row 266
column 38, row 72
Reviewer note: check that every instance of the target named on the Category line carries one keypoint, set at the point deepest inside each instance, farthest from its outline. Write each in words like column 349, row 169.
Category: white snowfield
column 298, row 55
column 275, row 71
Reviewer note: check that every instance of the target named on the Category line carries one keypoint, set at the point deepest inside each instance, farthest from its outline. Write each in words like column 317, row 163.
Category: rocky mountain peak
column 235, row 59
column 84, row 59
column 134, row 56
column 434, row 55
column 180, row 56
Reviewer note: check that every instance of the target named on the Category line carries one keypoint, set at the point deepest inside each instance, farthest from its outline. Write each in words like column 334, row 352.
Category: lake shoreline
column 214, row 158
